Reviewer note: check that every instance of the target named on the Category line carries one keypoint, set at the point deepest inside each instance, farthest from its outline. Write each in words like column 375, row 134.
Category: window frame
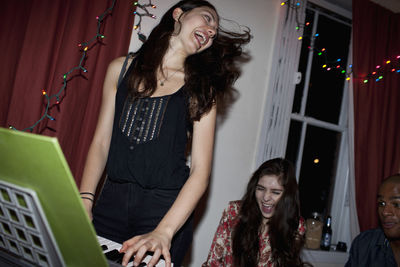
column 278, row 114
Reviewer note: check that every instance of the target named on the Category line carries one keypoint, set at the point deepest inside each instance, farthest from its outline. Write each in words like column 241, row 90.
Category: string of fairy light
column 389, row 65
column 83, row 47
column 144, row 13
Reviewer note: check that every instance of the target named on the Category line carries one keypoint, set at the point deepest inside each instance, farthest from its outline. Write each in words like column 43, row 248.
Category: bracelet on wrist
column 86, row 193
column 87, row 198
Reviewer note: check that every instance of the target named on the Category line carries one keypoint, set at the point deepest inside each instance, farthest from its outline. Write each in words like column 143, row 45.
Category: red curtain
column 38, row 45
column 376, row 39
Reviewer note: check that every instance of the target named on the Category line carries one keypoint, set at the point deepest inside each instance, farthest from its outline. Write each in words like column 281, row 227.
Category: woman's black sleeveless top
column 149, row 139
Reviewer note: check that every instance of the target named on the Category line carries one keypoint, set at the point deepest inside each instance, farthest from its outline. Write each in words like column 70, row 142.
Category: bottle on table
column 326, row 237
column 313, row 231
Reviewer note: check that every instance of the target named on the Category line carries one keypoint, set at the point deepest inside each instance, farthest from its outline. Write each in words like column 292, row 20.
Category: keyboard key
column 114, row 255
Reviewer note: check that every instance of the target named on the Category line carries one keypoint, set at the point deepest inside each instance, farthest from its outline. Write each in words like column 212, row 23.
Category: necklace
column 162, row 81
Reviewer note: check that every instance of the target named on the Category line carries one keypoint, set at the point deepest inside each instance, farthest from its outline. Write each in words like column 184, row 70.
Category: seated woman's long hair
column 285, row 241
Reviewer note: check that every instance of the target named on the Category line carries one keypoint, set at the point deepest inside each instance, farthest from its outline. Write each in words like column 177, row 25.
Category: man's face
column 389, row 209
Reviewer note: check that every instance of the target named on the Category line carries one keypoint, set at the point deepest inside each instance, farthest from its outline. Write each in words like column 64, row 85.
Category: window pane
column 292, row 148
column 326, row 87
column 318, row 170
column 305, row 51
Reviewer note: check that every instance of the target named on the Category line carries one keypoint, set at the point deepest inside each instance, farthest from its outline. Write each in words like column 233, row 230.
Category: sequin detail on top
column 141, row 118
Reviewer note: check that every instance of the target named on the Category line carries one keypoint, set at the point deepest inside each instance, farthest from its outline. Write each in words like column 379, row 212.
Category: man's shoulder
column 371, row 233
column 371, row 236
column 370, row 248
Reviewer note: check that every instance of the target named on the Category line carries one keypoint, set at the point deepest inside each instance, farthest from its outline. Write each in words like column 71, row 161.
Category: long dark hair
column 209, row 75
column 286, row 243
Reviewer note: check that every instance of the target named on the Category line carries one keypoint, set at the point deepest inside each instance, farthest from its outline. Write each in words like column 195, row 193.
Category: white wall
column 237, row 137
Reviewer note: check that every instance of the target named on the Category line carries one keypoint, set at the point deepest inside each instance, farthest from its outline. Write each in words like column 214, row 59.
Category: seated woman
column 264, row 228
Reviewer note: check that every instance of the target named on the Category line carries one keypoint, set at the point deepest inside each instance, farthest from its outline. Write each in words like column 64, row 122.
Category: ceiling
column 345, row 4
column 392, row 5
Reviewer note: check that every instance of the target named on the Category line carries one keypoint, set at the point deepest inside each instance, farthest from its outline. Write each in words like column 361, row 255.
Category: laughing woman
column 167, row 98
column 264, row 228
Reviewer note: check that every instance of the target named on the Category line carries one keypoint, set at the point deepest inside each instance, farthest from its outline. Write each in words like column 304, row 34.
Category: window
column 318, row 119
column 307, row 122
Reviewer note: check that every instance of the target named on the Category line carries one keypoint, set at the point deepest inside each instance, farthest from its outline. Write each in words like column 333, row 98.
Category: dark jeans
column 125, row 210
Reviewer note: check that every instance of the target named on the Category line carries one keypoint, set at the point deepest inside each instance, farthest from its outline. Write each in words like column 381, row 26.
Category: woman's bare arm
column 98, row 150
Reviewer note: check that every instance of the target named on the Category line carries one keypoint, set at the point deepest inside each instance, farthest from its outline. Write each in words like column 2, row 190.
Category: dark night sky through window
column 323, row 103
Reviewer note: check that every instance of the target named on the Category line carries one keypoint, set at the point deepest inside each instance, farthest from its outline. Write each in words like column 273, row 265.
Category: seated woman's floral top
column 220, row 254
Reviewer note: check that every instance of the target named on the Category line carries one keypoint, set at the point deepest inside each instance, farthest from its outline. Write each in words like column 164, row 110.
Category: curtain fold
column 376, row 39
column 39, row 44
column 353, row 218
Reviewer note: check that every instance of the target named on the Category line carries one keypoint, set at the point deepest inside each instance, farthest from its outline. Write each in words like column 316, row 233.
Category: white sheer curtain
column 354, row 225
column 282, row 86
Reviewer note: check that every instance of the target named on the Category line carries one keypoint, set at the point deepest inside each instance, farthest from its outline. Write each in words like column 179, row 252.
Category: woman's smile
column 268, row 193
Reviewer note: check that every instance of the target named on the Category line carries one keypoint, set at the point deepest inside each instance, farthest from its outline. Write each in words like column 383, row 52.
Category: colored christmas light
column 388, row 65
column 145, row 13
column 84, row 51
column 65, row 76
